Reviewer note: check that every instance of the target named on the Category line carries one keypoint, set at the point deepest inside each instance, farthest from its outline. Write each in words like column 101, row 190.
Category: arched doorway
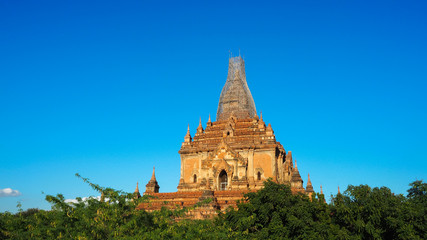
column 223, row 180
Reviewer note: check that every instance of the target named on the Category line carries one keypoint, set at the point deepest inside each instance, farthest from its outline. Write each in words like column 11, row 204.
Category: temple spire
column 235, row 96
column 153, row 177
column 296, row 180
column 136, row 189
column 187, row 138
column 152, row 185
column 136, row 193
column 309, row 187
column 261, row 123
column 321, row 189
column 339, row 192
column 209, row 123
column 200, row 127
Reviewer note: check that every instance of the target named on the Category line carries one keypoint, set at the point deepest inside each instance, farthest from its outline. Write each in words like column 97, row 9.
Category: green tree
column 417, row 198
column 375, row 213
column 275, row 212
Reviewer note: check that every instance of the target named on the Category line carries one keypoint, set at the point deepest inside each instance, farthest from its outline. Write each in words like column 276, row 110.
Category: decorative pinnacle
column 260, row 117
column 153, row 177
column 309, row 187
column 296, row 167
column 209, row 120
column 339, row 192
column 187, row 138
column 200, row 127
column 136, row 189
column 321, row 190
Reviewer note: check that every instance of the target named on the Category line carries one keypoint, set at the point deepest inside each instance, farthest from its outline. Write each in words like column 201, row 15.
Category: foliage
column 361, row 212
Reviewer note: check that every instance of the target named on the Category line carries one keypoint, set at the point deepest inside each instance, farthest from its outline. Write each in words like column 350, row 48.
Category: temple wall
column 264, row 162
column 191, row 167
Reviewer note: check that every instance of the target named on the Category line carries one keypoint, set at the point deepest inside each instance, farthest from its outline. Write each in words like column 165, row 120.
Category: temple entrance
column 223, row 180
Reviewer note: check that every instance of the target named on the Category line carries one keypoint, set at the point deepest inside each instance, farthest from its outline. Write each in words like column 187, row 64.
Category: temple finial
column 261, row 123
column 152, row 185
column 296, row 180
column 187, row 138
column 209, row 120
column 339, row 192
column 153, row 177
column 200, row 127
column 321, row 189
column 296, row 167
column 309, row 187
column 136, row 189
column 136, row 193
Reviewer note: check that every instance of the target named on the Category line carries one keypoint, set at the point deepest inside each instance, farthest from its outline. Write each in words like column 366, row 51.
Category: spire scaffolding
column 235, row 96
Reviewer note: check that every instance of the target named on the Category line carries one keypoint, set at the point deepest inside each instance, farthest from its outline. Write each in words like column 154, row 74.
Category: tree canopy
column 273, row 212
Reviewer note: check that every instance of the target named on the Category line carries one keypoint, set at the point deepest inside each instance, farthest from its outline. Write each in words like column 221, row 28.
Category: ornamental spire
column 152, row 185
column 136, row 193
column 136, row 189
column 296, row 180
column 261, row 123
column 200, row 127
column 153, row 177
column 309, row 187
column 187, row 138
column 309, row 180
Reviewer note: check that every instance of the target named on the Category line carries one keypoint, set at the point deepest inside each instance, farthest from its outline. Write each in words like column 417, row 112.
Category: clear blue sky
column 106, row 89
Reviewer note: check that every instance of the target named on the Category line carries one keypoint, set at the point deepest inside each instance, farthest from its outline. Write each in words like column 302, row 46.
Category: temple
column 229, row 157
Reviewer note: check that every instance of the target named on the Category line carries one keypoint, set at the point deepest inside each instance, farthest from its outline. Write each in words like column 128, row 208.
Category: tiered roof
column 238, row 133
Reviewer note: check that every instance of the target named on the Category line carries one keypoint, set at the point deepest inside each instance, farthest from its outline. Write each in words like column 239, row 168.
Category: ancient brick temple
column 233, row 155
